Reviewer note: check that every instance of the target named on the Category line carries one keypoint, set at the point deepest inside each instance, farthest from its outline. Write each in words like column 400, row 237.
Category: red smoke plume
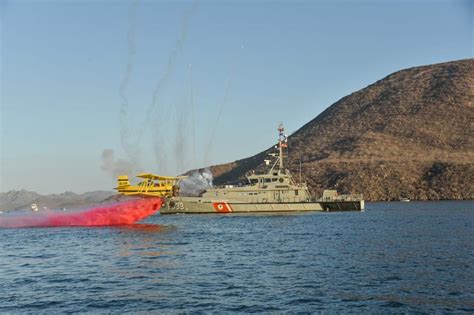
column 118, row 214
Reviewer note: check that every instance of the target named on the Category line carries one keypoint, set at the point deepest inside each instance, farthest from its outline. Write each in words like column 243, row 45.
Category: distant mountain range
column 410, row 134
column 22, row 199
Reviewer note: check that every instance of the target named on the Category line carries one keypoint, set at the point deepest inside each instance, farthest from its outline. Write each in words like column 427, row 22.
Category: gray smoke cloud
column 156, row 119
column 161, row 122
column 170, row 65
column 196, row 183
column 115, row 167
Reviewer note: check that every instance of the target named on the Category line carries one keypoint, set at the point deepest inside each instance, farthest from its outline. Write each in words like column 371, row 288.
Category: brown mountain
column 410, row 134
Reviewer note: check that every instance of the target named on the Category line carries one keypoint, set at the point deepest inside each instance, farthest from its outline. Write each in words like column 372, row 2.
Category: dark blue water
column 392, row 258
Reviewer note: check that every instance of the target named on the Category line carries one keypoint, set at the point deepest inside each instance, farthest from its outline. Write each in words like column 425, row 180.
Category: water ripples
column 415, row 257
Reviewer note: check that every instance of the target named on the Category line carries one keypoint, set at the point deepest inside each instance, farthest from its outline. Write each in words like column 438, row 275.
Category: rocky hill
column 410, row 134
column 22, row 199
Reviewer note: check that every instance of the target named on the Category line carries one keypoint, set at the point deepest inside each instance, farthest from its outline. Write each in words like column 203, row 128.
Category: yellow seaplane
column 151, row 186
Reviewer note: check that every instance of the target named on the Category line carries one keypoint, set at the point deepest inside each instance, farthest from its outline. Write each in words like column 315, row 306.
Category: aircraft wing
column 159, row 177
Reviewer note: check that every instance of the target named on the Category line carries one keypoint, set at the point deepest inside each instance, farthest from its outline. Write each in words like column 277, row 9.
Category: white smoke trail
column 168, row 70
column 216, row 122
column 220, row 110
column 130, row 140
column 171, row 60
column 121, row 166
column 125, row 132
column 181, row 127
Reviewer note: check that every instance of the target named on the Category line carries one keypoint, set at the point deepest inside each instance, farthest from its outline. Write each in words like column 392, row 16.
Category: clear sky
column 93, row 88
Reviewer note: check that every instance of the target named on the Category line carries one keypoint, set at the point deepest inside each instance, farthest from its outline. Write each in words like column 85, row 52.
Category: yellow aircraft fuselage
column 151, row 186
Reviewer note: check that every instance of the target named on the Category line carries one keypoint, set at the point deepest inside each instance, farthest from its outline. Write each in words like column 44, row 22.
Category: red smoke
column 118, row 214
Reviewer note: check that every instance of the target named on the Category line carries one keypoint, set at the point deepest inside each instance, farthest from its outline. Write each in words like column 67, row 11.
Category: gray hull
column 187, row 205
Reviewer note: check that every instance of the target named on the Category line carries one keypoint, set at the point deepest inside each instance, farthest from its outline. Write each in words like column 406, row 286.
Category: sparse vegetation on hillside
column 410, row 135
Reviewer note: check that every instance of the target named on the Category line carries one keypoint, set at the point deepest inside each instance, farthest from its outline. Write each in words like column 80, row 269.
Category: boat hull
column 187, row 205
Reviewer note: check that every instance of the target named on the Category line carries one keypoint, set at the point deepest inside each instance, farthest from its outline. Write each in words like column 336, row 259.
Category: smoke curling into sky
column 160, row 126
column 115, row 167
column 125, row 131
column 130, row 135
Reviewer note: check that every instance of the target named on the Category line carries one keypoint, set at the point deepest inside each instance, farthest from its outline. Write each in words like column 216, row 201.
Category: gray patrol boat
column 273, row 192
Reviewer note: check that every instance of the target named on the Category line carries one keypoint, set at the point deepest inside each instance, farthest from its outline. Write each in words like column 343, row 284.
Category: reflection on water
column 146, row 245
column 138, row 239
column 393, row 258
column 142, row 228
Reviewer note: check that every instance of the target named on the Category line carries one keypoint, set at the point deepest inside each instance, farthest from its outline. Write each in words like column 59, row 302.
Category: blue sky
column 229, row 70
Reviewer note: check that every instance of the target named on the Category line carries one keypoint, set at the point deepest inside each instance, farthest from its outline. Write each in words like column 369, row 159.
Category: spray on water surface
column 117, row 214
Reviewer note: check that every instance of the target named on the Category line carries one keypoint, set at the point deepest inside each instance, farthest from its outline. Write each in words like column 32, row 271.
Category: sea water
column 391, row 258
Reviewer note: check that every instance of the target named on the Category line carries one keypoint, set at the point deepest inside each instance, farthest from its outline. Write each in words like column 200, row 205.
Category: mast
column 282, row 143
column 301, row 181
